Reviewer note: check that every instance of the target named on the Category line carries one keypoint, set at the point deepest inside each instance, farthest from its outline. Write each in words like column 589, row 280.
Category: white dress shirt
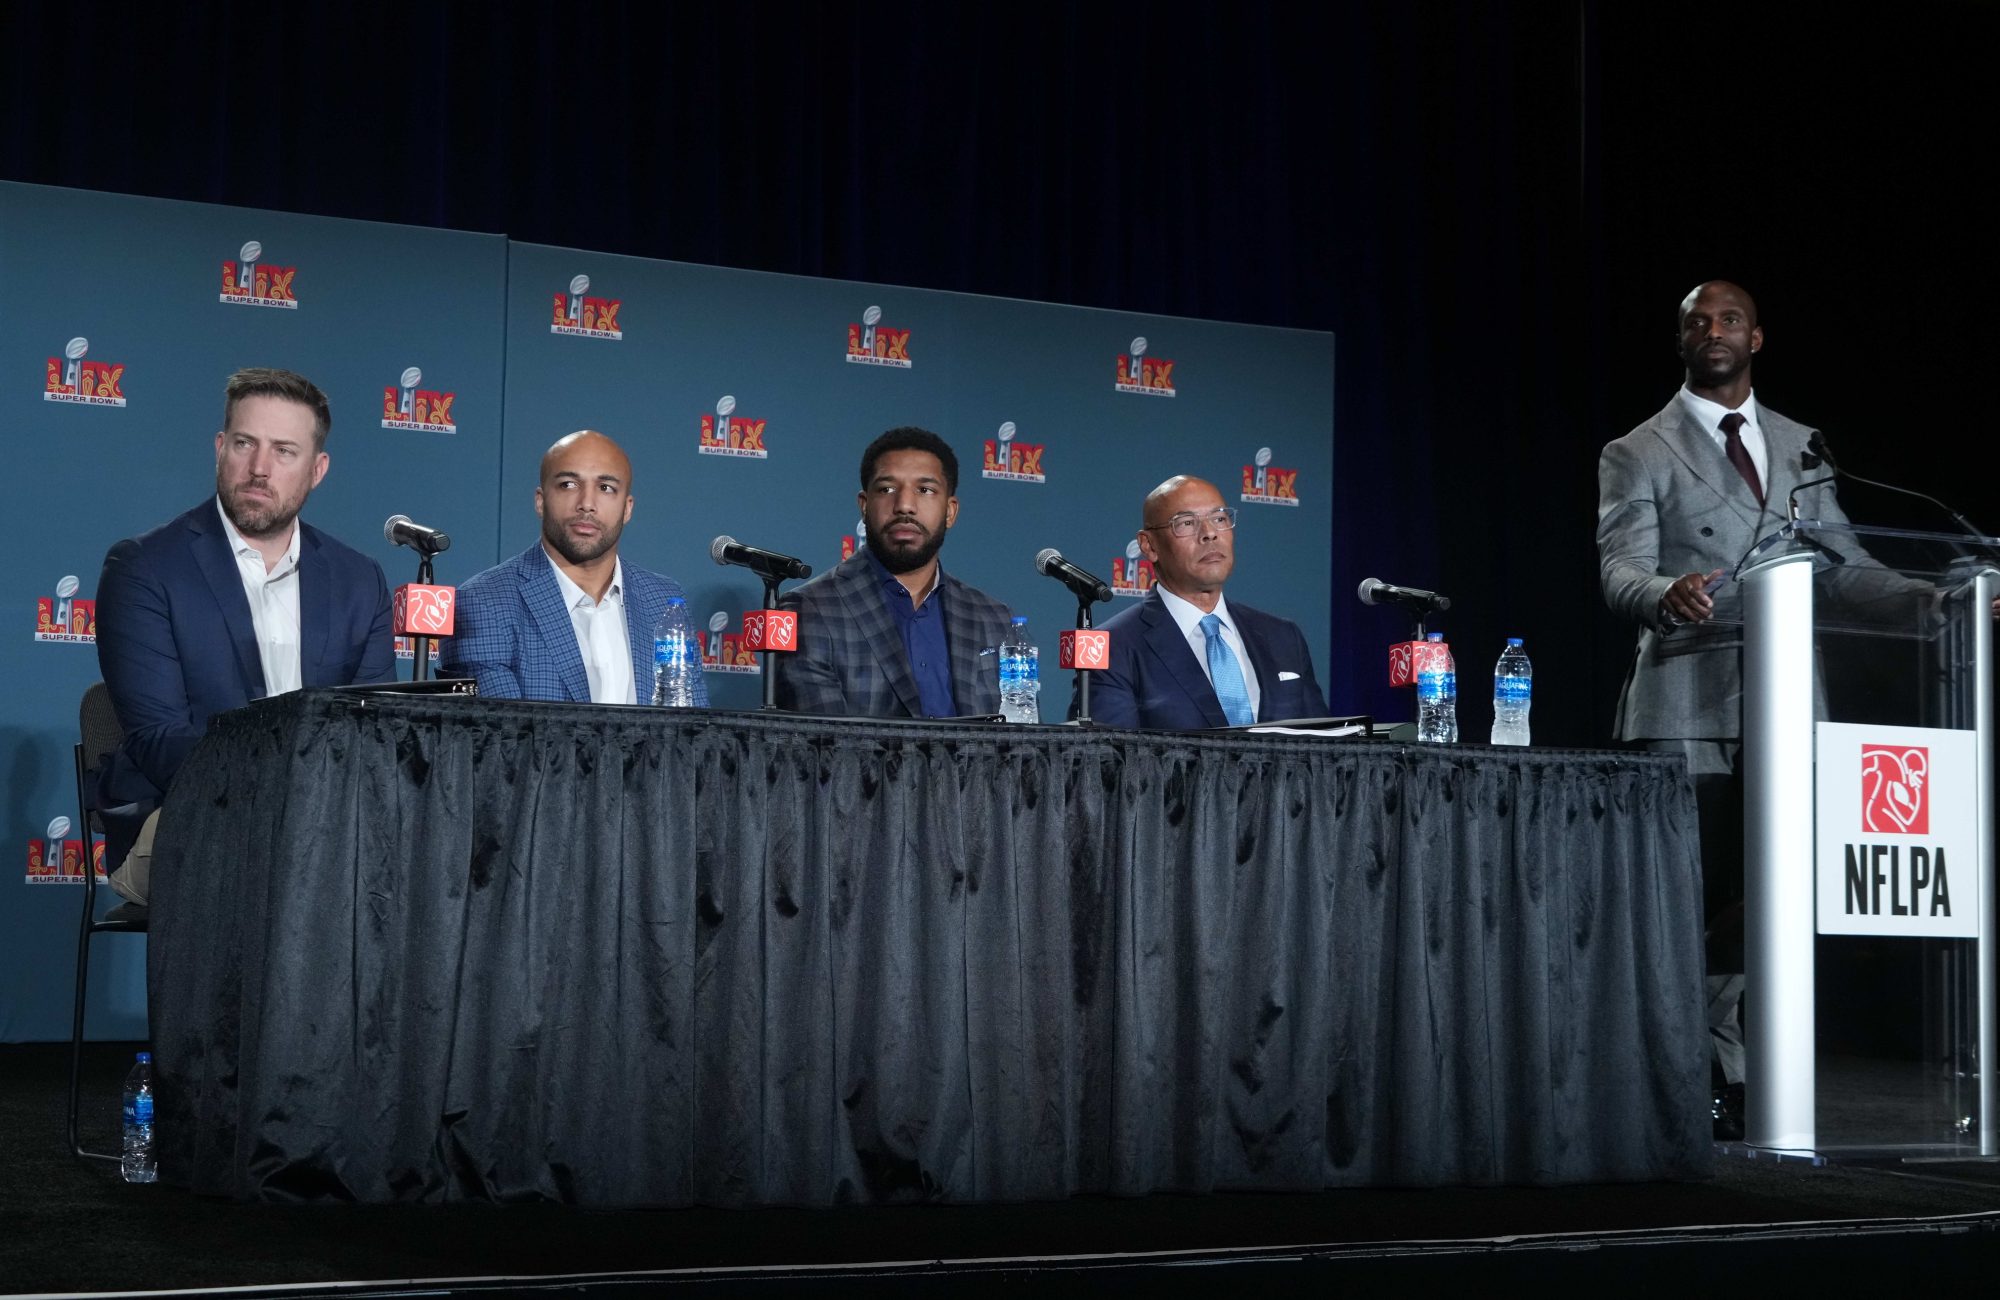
column 600, row 635
column 273, row 593
column 1709, row 415
column 1189, row 617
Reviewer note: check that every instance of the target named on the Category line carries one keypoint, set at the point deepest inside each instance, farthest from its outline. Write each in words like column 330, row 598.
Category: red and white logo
column 771, row 630
column 728, row 434
column 723, row 651
column 1139, row 373
column 63, row 617
column 1014, row 462
column 1083, row 648
column 872, row 343
column 406, row 406
column 58, row 859
column 1895, row 798
column 1265, row 484
column 250, row 282
column 579, row 314
column 87, row 383
column 421, row 610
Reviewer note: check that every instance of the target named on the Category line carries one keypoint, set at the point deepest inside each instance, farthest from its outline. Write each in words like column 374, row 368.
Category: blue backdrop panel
column 692, row 337
column 142, row 282
column 513, row 344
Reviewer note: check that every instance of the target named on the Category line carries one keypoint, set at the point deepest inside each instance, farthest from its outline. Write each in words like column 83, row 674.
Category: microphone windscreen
column 1045, row 557
column 1367, row 590
column 718, row 549
column 390, row 525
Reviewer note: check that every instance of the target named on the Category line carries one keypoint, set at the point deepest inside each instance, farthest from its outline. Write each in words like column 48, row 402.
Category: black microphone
column 727, row 550
column 399, row 530
column 1087, row 586
column 1817, row 445
column 1373, row 591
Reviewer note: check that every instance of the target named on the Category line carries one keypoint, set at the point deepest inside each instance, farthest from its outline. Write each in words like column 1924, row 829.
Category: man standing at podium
column 1680, row 499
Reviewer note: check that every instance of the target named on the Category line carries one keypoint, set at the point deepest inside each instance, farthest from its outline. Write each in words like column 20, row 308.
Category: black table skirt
column 409, row 948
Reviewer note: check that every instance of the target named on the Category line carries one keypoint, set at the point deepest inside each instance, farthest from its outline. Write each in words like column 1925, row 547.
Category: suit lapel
column 543, row 598
column 640, row 615
column 872, row 621
column 973, row 690
column 1164, row 639
column 1695, row 449
column 315, row 610
column 211, row 553
column 1260, row 659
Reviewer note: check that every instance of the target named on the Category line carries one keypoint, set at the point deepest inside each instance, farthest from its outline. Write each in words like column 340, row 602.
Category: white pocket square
column 1284, row 676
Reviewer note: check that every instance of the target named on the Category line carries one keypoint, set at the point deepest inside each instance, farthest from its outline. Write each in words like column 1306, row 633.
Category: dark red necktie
column 1739, row 455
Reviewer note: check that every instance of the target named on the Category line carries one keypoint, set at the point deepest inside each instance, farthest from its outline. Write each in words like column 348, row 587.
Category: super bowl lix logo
column 90, row 383
column 1266, row 484
column 58, row 859
column 65, row 618
column 247, row 282
column 872, row 343
column 1015, row 462
column 1139, row 373
column 723, row 651
column 584, row 316
column 407, row 406
column 728, row 434
column 1130, row 575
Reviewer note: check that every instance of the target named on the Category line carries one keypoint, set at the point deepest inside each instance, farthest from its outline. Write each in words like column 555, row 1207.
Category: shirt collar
column 1188, row 616
column 882, row 574
column 240, row 546
column 1709, row 414
column 574, row 595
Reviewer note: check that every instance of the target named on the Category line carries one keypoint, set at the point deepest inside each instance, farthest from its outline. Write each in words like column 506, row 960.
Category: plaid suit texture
column 850, row 659
column 516, row 640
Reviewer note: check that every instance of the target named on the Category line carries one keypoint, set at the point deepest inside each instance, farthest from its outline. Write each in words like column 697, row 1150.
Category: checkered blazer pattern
column 850, row 659
column 514, row 635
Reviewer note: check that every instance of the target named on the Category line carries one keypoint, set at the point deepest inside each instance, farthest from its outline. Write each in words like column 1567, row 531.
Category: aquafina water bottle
column 137, row 1164
column 1437, row 694
column 675, row 660
column 1020, row 674
column 1513, row 691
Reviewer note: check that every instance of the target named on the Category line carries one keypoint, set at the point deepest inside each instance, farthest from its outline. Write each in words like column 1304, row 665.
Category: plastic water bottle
column 1513, row 692
column 1020, row 674
column 138, row 1164
column 1437, row 696
column 675, row 661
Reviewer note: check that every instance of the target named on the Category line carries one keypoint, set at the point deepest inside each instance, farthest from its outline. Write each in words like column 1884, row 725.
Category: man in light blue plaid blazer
column 888, row 633
column 567, row 619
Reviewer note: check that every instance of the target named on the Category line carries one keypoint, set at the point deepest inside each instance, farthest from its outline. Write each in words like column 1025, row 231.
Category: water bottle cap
column 1514, row 642
column 1437, row 636
column 145, row 1058
column 1020, row 620
column 676, row 600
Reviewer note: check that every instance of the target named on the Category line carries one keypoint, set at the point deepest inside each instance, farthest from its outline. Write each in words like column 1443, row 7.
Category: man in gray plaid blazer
column 567, row 619
column 888, row 633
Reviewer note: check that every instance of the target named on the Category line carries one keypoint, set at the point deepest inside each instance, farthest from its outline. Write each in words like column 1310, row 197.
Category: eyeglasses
column 1184, row 524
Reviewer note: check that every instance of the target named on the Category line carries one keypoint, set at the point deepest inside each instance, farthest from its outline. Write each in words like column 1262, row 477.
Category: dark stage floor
column 69, row 1226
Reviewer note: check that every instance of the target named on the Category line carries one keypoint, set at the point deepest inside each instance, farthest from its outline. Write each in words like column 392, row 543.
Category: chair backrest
column 98, row 729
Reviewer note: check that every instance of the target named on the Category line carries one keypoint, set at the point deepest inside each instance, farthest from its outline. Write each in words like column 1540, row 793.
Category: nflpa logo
column 1083, row 648
column 1407, row 659
column 423, row 611
column 770, row 629
column 1894, row 798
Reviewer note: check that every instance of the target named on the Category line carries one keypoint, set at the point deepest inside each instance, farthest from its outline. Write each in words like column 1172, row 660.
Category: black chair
column 99, row 733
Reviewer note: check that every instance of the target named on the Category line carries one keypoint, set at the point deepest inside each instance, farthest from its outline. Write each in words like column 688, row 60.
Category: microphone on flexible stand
column 1373, row 591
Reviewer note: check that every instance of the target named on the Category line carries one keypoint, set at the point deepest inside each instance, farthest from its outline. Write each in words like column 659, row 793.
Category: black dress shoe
column 1727, row 1113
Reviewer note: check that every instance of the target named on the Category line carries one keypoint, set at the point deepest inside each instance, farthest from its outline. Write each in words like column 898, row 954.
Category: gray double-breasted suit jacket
column 1669, row 503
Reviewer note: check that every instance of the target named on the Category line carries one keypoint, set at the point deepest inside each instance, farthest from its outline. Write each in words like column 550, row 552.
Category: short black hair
column 910, row 438
column 288, row 385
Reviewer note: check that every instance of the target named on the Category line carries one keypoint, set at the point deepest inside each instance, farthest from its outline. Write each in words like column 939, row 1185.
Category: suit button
column 1708, row 532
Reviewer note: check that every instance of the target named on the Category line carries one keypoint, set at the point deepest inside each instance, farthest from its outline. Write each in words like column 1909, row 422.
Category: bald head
column 584, row 497
column 1718, row 290
column 1193, row 565
column 1163, row 502
column 1719, row 336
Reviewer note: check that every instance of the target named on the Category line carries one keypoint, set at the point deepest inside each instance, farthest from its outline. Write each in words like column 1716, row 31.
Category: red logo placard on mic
column 421, row 610
column 770, row 629
column 1407, row 659
column 1084, row 648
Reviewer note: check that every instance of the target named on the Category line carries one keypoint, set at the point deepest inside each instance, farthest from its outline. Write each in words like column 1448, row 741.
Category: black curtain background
column 1494, row 206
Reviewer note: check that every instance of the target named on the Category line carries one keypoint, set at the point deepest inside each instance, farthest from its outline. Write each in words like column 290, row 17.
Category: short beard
column 273, row 519
column 907, row 561
column 555, row 536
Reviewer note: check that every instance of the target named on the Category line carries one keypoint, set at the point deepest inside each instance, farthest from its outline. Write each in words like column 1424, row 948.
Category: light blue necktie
column 1226, row 675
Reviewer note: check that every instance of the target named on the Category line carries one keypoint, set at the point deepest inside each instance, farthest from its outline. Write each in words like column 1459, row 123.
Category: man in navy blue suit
column 233, row 601
column 567, row 619
column 1185, row 658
